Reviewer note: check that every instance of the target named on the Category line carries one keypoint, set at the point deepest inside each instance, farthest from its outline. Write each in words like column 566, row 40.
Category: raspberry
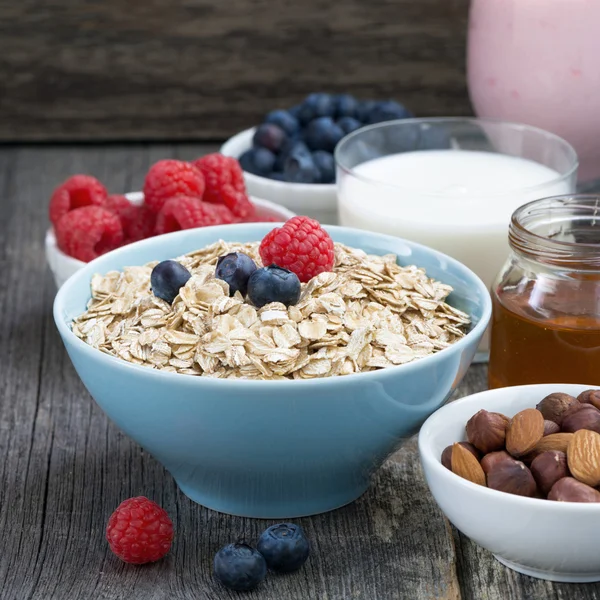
column 225, row 183
column 183, row 212
column 76, row 192
column 140, row 224
column 88, row 232
column 301, row 246
column 169, row 178
column 139, row 531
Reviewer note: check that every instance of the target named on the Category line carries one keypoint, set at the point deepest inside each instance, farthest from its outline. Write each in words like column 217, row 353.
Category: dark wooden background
column 94, row 70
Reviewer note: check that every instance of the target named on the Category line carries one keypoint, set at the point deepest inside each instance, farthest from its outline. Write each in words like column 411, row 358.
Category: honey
column 528, row 348
column 546, row 300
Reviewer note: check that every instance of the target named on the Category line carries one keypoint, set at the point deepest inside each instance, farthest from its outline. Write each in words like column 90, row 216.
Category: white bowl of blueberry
column 288, row 158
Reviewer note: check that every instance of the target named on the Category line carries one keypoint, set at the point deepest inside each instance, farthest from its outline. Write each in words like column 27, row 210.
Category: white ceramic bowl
column 63, row 266
column 557, row 541
column 315, row 200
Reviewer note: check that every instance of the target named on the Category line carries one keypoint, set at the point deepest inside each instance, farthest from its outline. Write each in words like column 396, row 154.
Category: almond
column 465, row 465
column 583, row 456
column 554, row 441
column 524, row 431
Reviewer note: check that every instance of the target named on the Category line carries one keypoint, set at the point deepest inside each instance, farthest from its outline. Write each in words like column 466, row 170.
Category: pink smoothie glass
column 537, row 62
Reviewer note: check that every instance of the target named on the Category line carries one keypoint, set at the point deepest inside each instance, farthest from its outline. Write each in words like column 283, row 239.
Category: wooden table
column 65, row 467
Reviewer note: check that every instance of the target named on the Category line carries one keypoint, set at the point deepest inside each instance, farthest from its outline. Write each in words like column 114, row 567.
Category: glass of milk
column 450, row 183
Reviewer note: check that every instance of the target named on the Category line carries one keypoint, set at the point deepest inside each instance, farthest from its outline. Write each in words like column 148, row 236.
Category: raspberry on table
column 139, row 531
column 76, row 192
column 225, row 183
column 139, row 224
column 169, row 178
column 183, row 212
column 86, row 233
column 301, row 246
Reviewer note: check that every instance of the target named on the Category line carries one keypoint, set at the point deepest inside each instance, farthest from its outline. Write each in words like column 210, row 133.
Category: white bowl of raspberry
column 63, row 266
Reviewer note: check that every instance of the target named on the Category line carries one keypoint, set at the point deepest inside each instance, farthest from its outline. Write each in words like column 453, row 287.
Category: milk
column 457, row 201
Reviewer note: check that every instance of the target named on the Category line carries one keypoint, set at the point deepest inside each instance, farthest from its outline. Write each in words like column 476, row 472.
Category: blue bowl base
column 295, row 510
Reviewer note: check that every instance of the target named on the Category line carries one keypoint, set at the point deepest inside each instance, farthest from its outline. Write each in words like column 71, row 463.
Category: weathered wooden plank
column 204, row 70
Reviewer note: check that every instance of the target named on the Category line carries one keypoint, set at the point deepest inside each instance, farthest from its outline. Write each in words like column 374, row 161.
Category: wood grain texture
column 65, row 467
column 199, row 69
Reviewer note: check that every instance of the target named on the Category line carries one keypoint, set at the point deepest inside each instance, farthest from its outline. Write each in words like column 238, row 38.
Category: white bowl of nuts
column 517, row 470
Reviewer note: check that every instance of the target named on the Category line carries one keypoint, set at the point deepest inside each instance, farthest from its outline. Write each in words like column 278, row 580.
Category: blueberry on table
column 299, row 167
column 388, row 110
column 284, row 547
column 269, row 136
column 346, row 106
column 167, row 278
column 284, row 120
column 258, row 161
column 323, row 134
column 325, row 165
column 239, row 567
column 235, row 269
column 364, row 109
column 316, row 105
column 348, row 124
column 273, row 284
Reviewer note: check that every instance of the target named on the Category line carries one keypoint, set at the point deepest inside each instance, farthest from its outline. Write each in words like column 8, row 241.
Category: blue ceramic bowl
column 272, row 449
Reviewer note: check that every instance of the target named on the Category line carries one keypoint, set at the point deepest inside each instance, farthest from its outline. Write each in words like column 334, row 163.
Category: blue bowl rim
column 90, row 269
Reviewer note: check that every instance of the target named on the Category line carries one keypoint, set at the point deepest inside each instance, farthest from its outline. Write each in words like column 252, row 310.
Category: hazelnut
column 554, row 405
column 548, row 468
column 491, row 459
column 487, row 431
column 512, row 477
column 584, row 417
column 568, row 489
column 590, row 397
column 550, row 427
column 447, row 453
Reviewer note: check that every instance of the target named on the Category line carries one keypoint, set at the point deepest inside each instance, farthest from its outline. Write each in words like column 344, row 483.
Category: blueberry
column 325, row 165
column 291, row 145
column 348, row 124
column 258, row 161
column 167, row 278
column 388, row 110
column 299, row 167
column 323, row 134
column 346, row 106
column 284, row 120
column 284, row 547
column 239, row 567
column 295, row 111
column 316, row 105
column 269, row 136
column 235, row 269
column 273, row 284
column 364, row 109
column 276, row 176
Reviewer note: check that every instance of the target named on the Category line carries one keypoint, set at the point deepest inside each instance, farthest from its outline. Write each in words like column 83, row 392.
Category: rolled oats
column 368, row 313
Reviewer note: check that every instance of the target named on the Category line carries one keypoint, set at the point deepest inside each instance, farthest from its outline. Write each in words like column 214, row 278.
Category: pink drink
column 537, row 62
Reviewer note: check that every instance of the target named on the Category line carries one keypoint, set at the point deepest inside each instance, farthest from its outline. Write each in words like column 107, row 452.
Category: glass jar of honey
column 546, row 298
